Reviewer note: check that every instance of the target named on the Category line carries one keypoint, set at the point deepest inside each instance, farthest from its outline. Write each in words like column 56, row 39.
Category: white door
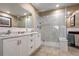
column 10, row 47
column 24, row 49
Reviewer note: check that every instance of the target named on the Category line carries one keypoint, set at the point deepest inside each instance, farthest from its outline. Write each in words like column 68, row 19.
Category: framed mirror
column 5, row 21
column 72, row 21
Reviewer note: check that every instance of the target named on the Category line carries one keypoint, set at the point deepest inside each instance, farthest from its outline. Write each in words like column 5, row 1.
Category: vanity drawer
column 32, row 48
column 32, row 36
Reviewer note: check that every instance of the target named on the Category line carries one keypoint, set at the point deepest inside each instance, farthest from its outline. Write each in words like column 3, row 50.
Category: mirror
column 15, row 15
column 72, row 21
column 25, row 21
column 5, row 21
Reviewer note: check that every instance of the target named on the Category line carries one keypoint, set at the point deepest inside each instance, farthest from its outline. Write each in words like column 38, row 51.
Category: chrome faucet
column 8, row 32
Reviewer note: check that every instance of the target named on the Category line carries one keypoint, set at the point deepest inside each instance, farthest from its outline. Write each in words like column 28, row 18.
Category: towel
column 77, row 39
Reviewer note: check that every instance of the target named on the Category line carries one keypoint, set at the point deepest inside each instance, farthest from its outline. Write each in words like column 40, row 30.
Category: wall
column 53, row 26
column 72, row 10
column 31, row 9
column 77, row 20
column 34, row 13
column 14, row 19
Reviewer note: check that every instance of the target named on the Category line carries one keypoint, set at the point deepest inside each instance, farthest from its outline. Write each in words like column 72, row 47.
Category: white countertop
column 73, row 29
column 16, row 35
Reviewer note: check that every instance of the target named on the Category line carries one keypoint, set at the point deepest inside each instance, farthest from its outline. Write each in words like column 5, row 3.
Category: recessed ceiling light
column 68, row 12
column 25, row 13
column 65, row 16
column 57, row 5
column 7, row 11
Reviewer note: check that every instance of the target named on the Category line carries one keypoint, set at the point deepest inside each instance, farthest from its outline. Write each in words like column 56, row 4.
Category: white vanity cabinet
column 16, row 46
column 34, row 42
column 10, row 47
column 22, row 45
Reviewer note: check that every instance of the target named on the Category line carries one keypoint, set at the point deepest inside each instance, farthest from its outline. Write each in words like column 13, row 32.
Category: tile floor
column 48, row 51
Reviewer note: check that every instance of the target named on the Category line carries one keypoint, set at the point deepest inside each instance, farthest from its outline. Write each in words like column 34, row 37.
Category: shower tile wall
column 38, row 23
column 53, row 26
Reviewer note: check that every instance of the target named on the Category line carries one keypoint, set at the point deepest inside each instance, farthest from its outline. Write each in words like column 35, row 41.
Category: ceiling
column 41, row 7
column 17, row 10
column 13, row 8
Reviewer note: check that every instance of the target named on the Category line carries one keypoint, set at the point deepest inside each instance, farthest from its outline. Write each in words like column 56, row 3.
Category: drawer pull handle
column 31, row 40
column 18, row 42
column 31, row 47
column 31, row 35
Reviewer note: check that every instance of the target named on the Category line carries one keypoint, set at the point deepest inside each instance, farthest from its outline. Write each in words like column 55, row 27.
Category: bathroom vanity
column 73, row 37
column 19, row 44
column 19, row 37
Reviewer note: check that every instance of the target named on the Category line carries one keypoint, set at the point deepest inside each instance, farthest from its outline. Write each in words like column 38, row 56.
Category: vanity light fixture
column 7, row 11
column 25, row 13
column 65, row 16
column 57, row 5
column 68, row 12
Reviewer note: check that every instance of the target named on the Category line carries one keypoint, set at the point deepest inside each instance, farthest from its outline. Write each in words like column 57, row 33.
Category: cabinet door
column 38, row 41
column 24, row 49
column 10, row 47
